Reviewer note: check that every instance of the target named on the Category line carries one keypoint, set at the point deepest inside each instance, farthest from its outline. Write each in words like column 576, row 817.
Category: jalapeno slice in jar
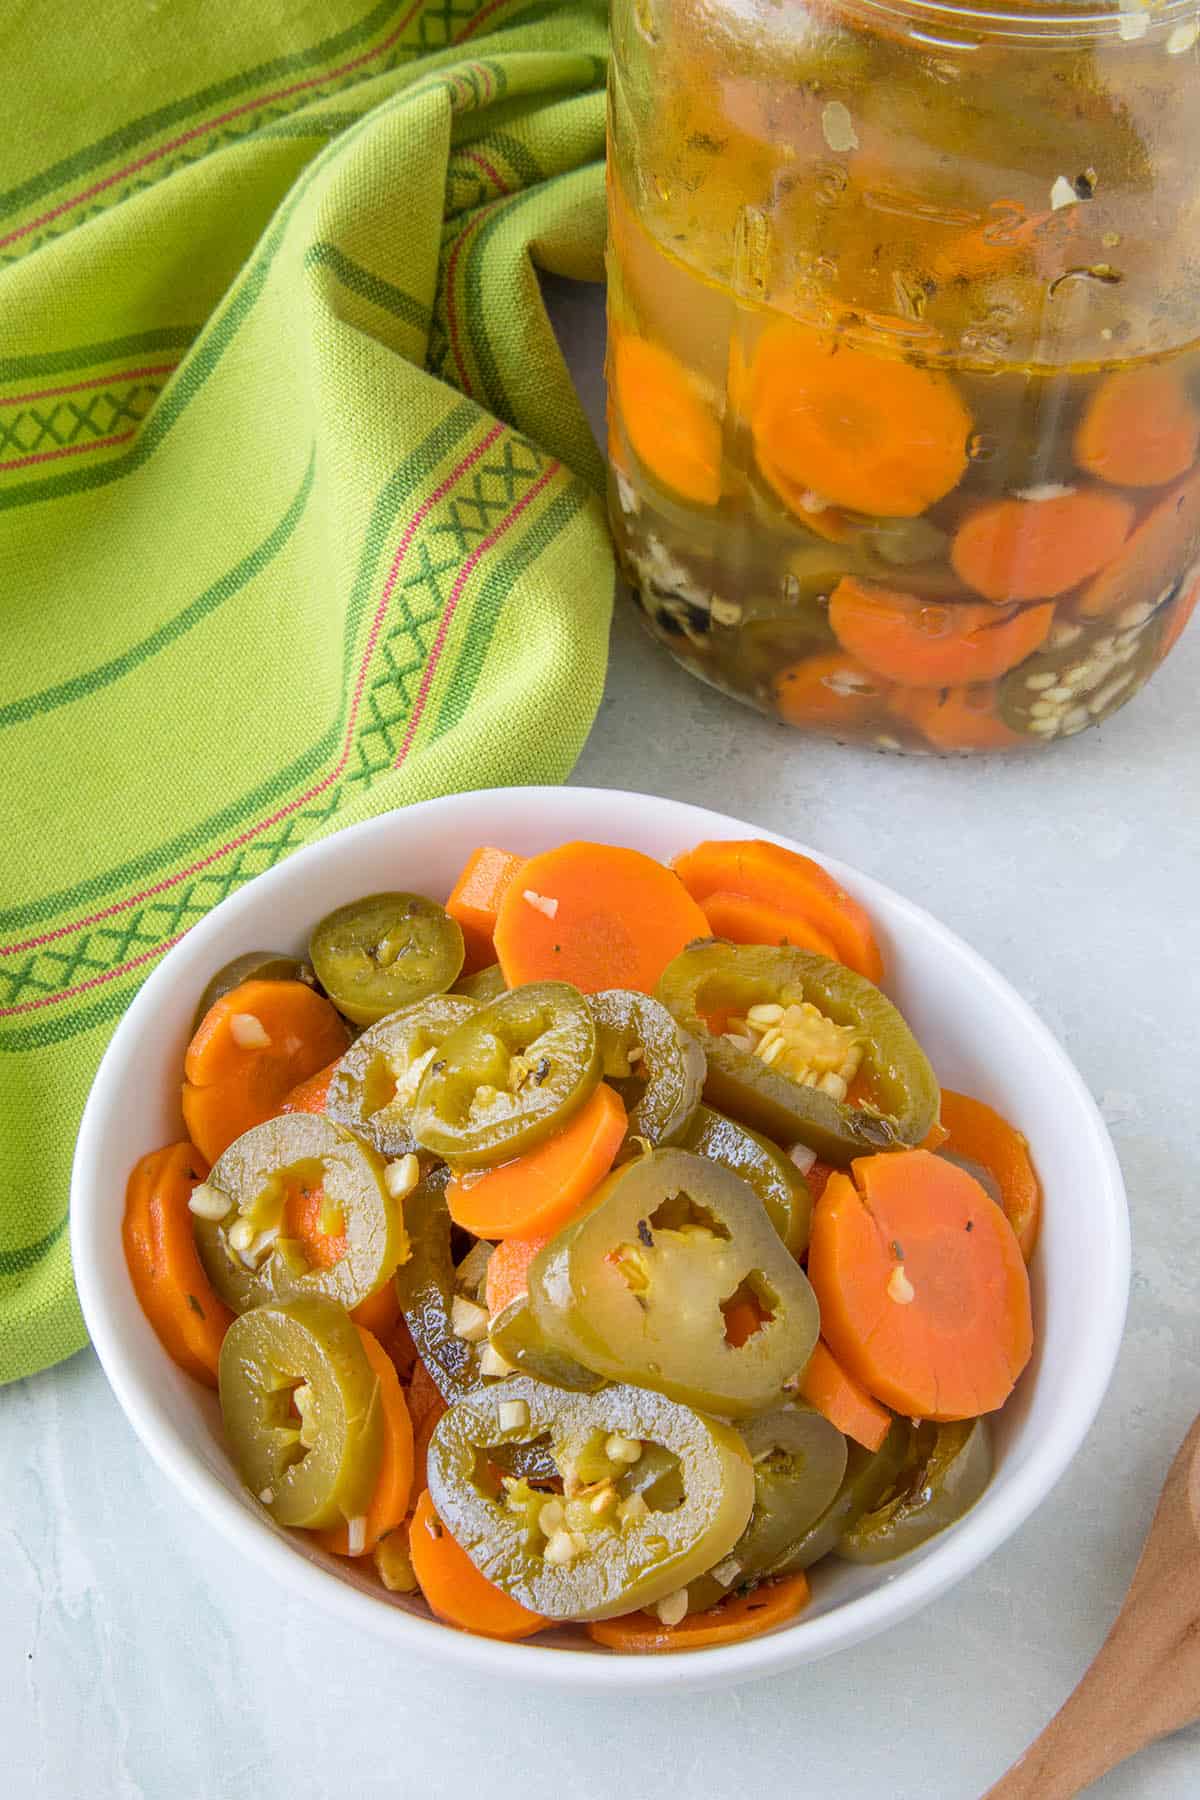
column 485, row 985
column 799, row 1461
column 600, row 1548
column 640, row 1286
column 945, row 1470
column 762, row 1165
column 385, row 951
column 786, row 1032
column 869, row 1475
column 308, row 1213
column 252, row 965
column 300, row 1404
column 657, row 1069
column 509, row 1076
column 376, row 1082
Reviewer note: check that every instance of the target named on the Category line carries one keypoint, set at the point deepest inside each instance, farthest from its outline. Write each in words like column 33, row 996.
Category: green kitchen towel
column 299, row 515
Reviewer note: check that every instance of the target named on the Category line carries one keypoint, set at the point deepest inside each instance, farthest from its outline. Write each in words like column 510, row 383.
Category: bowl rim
column 958, row 1551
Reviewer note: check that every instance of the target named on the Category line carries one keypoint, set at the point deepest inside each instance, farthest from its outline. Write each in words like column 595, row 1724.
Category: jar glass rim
column 961, row 24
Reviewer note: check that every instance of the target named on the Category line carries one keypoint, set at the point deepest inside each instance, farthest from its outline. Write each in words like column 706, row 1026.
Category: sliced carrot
column 1165, row 542
column 304, row 1220
column 168, row 1278
column 925, row 643
column 455, row 1590
column 747, row 921
column 982, row 1135
column 1140, row 428
column 866, row 432
column 309, row 1096
column 743, row 1317
column 388, row 1504
column 1177, row 622
column 957, row 718
column 1011, row 550
column 508, row 1271
column 830, row 692
column 595, row 915
column 667, row 418
column 923, row 1290
column 424, row 1431
column 379, row 1313
column 534, row 1195
column 231, row 1086
column 816, row 1175
column 742, row 1616
column 843, row 1401
column 785, row 879
column 475, row 900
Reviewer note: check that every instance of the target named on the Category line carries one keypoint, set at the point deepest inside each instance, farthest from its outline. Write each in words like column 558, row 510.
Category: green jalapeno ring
column 375, row 1083
column 633, row 1553
column 762, row 1165
column 657, row 1068
column 636, row 1286
column 869, row 1475
column 945, row 1470
column 247, row 1254
column 485, row 985
column 508, row 1077
column 300, row 1404
column 717, row 977
column 515, row 1335
column 384, row 952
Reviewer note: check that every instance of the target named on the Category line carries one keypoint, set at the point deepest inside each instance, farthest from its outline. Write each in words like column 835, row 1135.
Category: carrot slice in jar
column 1036, row 549
column 956, row 718
column 924, row 643
column 1181, row 613
column 1140, row 428
column 830, row 692
column 1150, row 559
column 666, row 419
column 861, row 431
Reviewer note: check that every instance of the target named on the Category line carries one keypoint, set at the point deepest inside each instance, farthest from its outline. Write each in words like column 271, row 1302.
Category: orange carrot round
column 309, row 1096
column 742, row 1616
column 388, row 1504
column 1165, row 541
column 830, row 692
column 956, row 718
column 982, row 1135
column 785, row 879
column 235, row 1079
column 430, row 1418
column 668, row 421
column 595, row 915
column 862, row 431
column 379, row 1313
column 168, row 1278
column 923, row 1291
column 508, row 1271
column 746, row 921
column 455, row 1590
column 475, row 900
column 842, row 1400
column 1011, row 550
column 1180, row 615
column 1140, row 428
column 304, row 1220
column 534, row 1195
column 925, row 643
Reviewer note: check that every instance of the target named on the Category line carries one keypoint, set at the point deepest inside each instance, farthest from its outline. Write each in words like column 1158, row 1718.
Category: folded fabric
column 299, row 514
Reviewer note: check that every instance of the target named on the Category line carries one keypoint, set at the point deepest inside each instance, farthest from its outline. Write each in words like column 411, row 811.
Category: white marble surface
column 141, row 1657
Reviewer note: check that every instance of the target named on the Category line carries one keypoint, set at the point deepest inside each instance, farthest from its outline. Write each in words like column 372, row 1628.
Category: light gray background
column 141, row 1657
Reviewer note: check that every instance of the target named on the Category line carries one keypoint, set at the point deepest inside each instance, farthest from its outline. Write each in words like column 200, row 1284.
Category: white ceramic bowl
column 981, row 1037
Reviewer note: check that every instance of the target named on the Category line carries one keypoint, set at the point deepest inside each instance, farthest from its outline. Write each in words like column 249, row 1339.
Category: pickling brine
column 904, row 356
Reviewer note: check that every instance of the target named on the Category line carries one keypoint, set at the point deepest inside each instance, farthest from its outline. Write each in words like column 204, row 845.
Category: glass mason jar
column 904, row 355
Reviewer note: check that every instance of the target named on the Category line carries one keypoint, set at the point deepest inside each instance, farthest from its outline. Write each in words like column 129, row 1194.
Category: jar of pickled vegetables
column 904, row 355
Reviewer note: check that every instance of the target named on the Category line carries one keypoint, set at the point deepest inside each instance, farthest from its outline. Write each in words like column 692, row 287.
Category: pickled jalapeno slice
column 642, row 1284
column 945, row 1469
column 308, row 1212
column 786, row 1033
column 657, row 1069
column 868, row 1477
column 300, row 1404
column 519, row 1341
column 762, row 1165
column 485, row 985
column 598, row 1548
column 509, row 1076
column 385, row 951
column 375, row 1083
column 799, row 1461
